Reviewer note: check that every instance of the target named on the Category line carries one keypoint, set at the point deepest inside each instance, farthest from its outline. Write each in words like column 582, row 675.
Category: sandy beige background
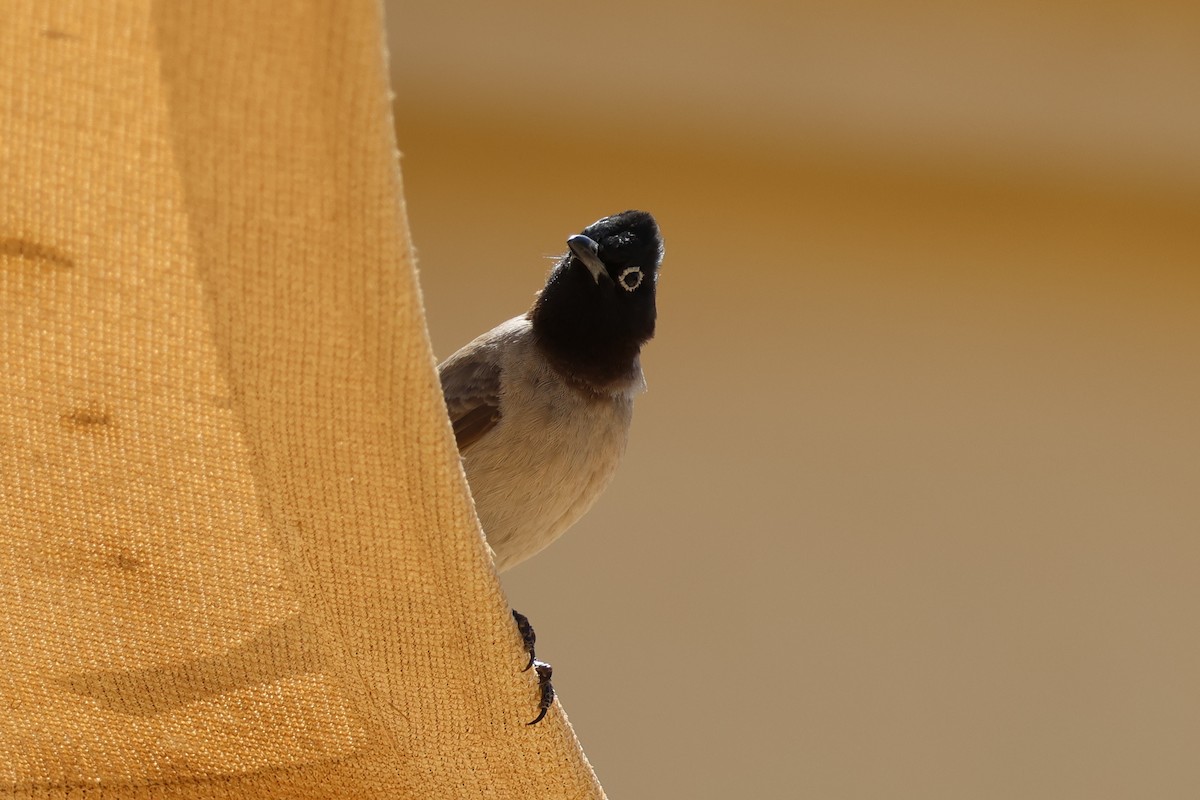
column 911, row 509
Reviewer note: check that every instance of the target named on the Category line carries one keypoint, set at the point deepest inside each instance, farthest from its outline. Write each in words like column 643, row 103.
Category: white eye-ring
column 631, row 278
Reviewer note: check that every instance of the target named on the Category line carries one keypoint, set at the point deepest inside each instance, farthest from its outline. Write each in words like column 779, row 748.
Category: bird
column 541, row 404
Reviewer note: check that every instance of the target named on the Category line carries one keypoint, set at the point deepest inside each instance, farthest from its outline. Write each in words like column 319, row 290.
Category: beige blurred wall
column 911, row 508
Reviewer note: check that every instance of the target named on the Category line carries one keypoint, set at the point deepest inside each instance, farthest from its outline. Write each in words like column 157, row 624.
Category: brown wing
column 471, row 388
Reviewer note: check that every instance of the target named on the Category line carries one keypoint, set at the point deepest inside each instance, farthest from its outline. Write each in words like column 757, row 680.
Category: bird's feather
column 471, row 386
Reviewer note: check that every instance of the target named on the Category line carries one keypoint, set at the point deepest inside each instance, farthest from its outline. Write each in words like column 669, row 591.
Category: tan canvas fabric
column 237, row 556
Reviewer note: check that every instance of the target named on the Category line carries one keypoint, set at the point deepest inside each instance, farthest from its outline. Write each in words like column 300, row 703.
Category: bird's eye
column 630, row 279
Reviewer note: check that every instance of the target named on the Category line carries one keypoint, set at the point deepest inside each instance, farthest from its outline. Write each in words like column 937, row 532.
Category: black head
column 597, row 309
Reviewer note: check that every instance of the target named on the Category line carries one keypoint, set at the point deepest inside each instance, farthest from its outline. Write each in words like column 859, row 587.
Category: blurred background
column 911, row 509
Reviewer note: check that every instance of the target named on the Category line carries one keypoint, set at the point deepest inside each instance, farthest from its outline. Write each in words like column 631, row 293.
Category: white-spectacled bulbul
column 541, row 404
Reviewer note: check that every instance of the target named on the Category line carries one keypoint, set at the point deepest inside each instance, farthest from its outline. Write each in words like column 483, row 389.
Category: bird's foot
column 544, row 673
column 527, row 636
column 544, row 670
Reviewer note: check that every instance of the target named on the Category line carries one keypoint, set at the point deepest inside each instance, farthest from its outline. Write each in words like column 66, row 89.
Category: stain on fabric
column 127, row 562
column 92, row 416
column 34, row 252
column 55, row 34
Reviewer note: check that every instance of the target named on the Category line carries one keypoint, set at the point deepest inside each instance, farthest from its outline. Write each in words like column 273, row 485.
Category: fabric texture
column 237, row 554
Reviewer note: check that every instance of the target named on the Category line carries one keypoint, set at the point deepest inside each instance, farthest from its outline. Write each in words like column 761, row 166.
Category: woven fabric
column 237, row 554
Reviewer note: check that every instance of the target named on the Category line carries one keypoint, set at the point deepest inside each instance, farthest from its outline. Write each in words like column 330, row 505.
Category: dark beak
column 587, row 251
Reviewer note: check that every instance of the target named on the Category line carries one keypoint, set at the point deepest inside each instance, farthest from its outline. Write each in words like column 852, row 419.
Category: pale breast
column 547, row 460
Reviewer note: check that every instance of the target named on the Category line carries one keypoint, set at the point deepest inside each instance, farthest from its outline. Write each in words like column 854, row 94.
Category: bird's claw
column 544, row 673
column 544, row 670
column 527, row 636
